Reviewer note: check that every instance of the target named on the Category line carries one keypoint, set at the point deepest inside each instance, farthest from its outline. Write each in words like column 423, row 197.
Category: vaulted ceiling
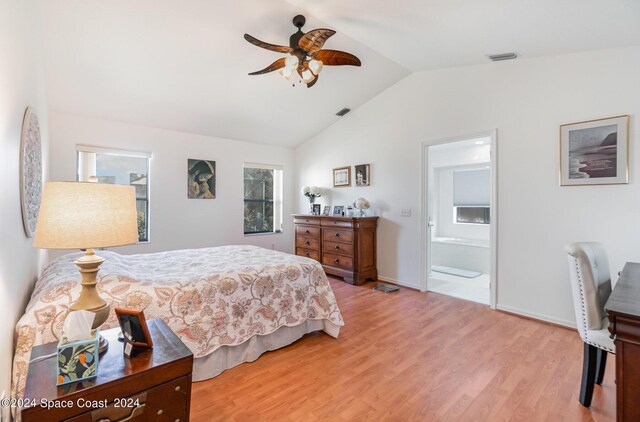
column 183, row 65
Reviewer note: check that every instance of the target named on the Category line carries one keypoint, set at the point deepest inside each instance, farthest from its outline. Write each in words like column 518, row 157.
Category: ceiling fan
column 305, row 55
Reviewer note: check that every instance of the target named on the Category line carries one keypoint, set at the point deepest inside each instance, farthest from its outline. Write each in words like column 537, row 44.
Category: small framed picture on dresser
column 316, row 209
column 326, row 210
column 338, row 210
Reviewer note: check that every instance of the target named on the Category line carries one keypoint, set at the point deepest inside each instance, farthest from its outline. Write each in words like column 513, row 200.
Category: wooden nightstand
column 155, row 384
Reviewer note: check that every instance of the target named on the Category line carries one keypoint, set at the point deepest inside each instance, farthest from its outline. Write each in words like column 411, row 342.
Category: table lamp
column 79, row 215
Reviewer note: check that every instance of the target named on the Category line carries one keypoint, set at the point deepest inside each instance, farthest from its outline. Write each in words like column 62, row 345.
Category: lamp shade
column 78, row 215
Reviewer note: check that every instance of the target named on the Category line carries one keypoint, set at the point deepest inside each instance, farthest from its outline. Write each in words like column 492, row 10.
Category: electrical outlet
column 405, row 212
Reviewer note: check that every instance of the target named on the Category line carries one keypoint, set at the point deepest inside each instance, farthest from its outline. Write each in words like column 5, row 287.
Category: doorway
column 459, row 218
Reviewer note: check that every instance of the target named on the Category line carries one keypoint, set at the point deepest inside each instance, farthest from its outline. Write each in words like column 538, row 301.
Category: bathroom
column 459, row 197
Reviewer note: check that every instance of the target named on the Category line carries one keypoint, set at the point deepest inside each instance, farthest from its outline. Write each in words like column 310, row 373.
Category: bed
column 228, row 304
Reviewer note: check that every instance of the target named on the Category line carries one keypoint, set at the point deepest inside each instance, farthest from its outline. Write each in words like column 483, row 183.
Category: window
column 472, row 215
column 119, row 168
column 471, row 196
column 262, row 199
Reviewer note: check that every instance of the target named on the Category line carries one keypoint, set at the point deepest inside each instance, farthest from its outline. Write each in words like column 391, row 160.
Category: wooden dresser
column 623, row 309
column 154, row 385
column 345, row 246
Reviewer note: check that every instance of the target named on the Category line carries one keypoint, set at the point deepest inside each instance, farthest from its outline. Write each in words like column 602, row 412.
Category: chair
column 591, row 287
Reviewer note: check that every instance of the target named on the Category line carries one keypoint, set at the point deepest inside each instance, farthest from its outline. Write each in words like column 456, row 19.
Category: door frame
column 425, row 240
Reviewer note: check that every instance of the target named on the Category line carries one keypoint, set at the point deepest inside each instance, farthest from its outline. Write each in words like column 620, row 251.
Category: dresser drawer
column 308, row 243
column 338, row 261
column 307, row 220
column 308, row 231
column 337, row 235
column 308, row 253
column 339, row 248
column 336, row 223
column 166, row 402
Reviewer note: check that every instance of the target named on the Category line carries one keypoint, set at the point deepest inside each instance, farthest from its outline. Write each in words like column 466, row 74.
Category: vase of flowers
column 311, row 192
column 361, row 204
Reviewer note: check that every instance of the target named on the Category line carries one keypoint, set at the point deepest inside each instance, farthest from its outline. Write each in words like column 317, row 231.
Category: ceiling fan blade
column 278, row 64
column 337, row 58
column 313, row 41
column 267, row 46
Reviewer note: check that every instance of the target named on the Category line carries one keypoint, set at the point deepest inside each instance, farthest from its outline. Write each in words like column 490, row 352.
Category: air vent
column 503, row 56
column 343, row 112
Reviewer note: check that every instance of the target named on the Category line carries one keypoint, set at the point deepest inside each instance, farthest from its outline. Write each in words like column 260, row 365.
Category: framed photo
column 201, row 179
column 338, row 209
column 134, row 328
column 326, row 210
column 362, row 175
column 342, row 177
column 595, row 152
column 316, row 209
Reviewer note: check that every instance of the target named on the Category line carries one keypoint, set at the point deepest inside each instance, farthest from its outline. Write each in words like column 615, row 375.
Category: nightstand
column 155, row 384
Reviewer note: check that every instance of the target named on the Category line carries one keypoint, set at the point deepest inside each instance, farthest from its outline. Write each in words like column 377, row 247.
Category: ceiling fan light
column 307, row 76
column 315, row 66
column 286, row 73
column 291, row 62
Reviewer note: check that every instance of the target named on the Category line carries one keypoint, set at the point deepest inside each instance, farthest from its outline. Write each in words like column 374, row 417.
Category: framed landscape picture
column 595, row 152
column 342, row 177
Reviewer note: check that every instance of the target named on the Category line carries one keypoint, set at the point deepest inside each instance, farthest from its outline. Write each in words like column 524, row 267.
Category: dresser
column 155, row 384
column 345, row 246
column 623, row 310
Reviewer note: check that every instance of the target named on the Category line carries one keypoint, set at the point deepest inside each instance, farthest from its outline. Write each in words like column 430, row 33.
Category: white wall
column 175, row 221
column 21, row 85
column 526, row 100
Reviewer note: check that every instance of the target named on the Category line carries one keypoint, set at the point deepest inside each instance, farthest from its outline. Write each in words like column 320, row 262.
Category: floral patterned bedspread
column 210, row 297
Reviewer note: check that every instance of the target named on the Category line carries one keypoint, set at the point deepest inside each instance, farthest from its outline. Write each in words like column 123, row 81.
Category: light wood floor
column 412, row 356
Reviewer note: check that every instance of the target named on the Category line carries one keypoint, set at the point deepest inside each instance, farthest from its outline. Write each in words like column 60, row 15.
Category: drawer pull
column 306, row 242
column 177, row 388
column 306, row 254
column 337, row 260
column 160, row 412
column 131, row 415
column 307, row 232
column 337, row 248
column 337, row 234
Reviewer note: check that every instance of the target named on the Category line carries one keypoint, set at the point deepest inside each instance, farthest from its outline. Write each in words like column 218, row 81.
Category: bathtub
column 467, row 254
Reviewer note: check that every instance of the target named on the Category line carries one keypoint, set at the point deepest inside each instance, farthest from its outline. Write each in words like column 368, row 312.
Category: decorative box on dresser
column 345, row 246
column 155, row 384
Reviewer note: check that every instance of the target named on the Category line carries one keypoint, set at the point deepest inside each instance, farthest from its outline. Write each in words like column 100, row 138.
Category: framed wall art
column 30, row 171
column 338, row 210
column 362, row 173
column 342, row 177
column 201, row 178
column 595, row 152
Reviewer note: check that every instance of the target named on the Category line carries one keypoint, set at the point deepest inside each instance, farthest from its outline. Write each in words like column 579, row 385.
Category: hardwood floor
column 412, row 356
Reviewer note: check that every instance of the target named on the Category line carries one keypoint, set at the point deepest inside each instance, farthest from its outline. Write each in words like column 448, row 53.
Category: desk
column 623, row 308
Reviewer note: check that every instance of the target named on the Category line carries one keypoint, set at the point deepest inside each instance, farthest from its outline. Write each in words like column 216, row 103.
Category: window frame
column 81, row 148
column 277, row 201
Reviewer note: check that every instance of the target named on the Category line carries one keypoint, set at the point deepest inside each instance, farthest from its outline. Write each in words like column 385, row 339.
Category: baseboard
column 537, row 316
column 398, row 282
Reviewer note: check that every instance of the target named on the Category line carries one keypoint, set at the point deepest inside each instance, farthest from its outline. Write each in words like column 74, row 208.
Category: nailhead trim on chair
column 584, row 310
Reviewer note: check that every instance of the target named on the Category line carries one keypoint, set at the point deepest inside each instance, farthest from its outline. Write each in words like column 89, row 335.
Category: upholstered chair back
column 590, row 284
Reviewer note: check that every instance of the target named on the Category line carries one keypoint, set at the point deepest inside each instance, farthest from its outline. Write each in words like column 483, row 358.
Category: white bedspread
column 209, row 297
